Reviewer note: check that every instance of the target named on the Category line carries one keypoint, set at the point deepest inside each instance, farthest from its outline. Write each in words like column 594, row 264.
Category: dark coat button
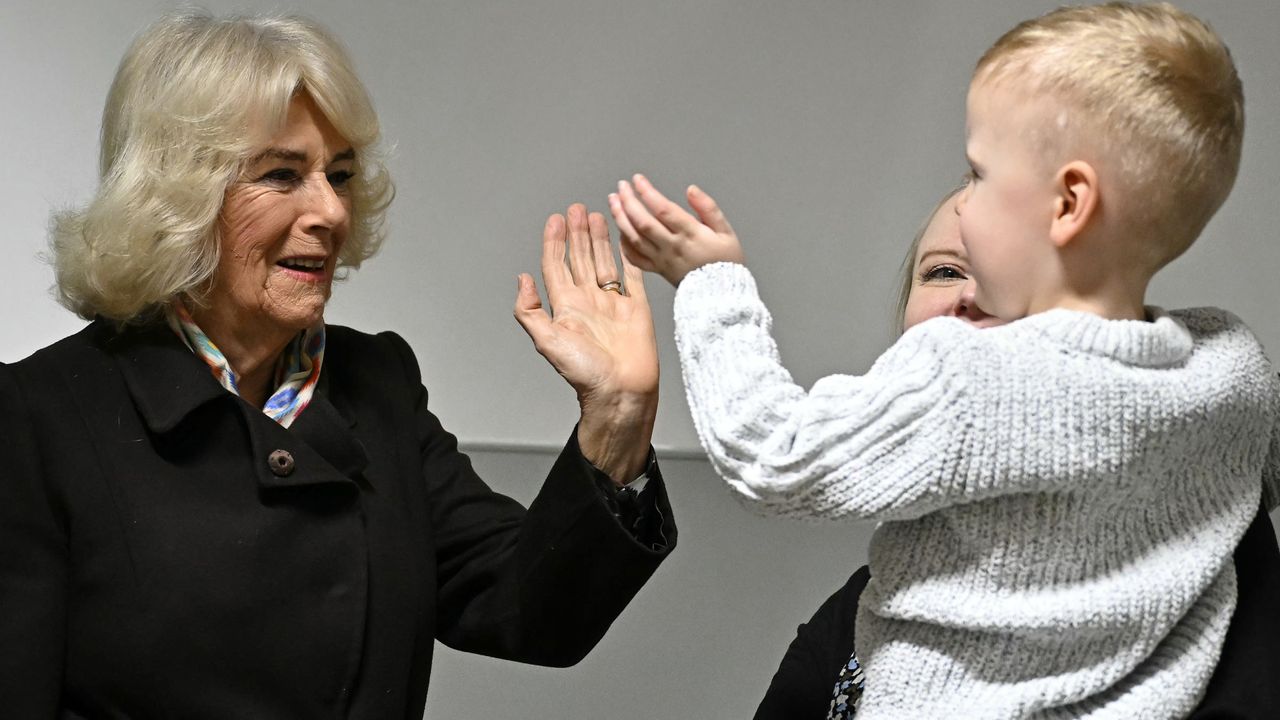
column 280, row 462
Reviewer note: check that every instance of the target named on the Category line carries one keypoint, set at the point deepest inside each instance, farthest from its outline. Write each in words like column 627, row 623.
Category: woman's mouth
column 308, row 268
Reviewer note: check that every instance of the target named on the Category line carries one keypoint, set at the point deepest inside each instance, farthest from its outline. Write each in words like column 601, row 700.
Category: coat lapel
column 168, row 382
column 326, row 430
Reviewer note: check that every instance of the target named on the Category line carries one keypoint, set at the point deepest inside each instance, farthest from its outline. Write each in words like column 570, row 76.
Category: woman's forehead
column 942, row 234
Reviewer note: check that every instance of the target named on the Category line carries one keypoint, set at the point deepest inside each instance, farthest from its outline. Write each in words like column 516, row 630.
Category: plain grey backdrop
column 825, row 128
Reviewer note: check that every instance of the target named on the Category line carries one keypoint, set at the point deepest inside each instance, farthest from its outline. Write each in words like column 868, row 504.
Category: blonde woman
column 216, row 505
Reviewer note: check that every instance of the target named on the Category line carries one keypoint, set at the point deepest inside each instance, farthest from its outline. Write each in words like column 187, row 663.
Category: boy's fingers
column 641, row 249
column 625, row 228
column 637, row 257
column 708, row 211
column 672, row 216
column 644, row 224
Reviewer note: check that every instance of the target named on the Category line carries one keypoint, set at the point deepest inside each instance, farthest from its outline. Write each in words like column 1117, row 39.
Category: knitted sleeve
column 1271, row 470
column 869, row 446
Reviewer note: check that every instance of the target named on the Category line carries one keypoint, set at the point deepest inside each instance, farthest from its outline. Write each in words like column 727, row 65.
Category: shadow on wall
column 703, row 637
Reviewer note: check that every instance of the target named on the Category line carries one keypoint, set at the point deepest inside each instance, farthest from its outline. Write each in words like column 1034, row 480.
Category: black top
column 170, row 551
column 1246, row 683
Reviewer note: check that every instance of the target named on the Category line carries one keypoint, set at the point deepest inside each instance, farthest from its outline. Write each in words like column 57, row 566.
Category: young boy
column 1062, row 494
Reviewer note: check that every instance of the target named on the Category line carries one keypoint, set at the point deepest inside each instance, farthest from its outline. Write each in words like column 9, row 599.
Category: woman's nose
column 966, row 307
column 325, row 210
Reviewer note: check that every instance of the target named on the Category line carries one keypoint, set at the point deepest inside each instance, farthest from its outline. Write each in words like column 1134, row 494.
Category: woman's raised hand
column 599, row 336
column 660, row 236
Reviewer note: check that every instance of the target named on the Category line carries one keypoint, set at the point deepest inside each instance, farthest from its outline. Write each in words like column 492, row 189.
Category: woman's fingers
column 708, row 211
column 554, row 272
column 602, row 250
column 582, row 264
column 634, row 277
column 528, row 309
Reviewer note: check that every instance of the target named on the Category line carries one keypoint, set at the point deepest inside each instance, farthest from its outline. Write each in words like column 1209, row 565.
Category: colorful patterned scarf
column 297, row 370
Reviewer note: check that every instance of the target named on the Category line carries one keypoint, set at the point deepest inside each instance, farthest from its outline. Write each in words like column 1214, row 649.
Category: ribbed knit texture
column 1061, row 496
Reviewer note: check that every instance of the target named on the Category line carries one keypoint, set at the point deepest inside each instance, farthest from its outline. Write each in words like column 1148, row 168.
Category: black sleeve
column 1246, row 683
column 802, row 686
column 638, row 512
column 538, row 586
column 33, row 569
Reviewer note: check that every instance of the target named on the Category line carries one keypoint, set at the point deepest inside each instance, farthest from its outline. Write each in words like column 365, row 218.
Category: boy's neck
column 1109, row 308
column 1099, row 273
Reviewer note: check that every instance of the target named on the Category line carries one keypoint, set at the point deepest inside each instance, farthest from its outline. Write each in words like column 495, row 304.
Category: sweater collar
column 1161, row 341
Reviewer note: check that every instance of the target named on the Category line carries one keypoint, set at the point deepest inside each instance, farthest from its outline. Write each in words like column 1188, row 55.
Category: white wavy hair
column 195, row 96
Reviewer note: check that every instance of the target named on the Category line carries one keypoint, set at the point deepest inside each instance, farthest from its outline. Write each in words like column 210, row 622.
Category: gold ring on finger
column 612, row 285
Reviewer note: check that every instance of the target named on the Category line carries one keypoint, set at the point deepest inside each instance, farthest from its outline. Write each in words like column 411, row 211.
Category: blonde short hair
column 1157, row 88
column 192, row 100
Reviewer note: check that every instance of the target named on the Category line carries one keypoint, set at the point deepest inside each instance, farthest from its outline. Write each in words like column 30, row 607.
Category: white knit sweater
column 1061, row 496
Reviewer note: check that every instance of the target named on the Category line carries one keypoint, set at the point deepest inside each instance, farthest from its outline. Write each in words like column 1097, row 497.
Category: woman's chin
column 296, row 317
column 300, row 308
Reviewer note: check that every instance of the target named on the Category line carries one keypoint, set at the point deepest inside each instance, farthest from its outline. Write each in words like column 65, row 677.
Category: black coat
column 1244, row 686
column 157, row 564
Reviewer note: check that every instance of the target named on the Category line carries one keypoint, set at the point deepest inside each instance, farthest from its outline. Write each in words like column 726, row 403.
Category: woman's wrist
column 615, row 434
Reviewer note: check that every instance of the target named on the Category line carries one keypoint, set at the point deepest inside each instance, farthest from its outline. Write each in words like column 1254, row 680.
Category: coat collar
column 168, row 382
column 166, row 379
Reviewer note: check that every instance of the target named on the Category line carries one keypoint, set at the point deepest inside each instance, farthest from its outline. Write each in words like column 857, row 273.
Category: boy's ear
column 1076, row 185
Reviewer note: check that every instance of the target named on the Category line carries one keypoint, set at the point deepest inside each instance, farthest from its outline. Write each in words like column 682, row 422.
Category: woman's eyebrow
column 279, row 154
column 298, row 156
column 946, row 253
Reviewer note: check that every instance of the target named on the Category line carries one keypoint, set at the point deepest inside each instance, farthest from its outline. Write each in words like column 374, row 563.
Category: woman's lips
column 311, row 269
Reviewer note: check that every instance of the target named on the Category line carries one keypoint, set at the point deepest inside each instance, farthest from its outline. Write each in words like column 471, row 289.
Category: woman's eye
column 340, row 178
column 282, row 176
column 942, row 272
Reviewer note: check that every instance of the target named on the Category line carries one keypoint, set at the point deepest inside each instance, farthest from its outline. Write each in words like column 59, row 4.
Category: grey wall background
column 826, row 128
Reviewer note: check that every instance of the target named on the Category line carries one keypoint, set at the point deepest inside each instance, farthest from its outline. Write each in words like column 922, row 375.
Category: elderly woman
column 215, row 505
column 820, row 676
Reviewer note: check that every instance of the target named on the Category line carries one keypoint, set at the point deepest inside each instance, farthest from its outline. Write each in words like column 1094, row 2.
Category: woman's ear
column 1076, row 185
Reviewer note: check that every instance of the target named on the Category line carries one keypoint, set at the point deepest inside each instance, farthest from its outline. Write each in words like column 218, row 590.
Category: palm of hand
column 600, row 341
column 603, row 344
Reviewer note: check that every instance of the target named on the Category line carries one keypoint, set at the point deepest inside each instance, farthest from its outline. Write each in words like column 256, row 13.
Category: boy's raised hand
column 660, row 236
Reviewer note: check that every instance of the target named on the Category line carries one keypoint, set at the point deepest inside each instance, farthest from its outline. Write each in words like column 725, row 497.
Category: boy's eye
column 942, row 273
column 970, row 176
